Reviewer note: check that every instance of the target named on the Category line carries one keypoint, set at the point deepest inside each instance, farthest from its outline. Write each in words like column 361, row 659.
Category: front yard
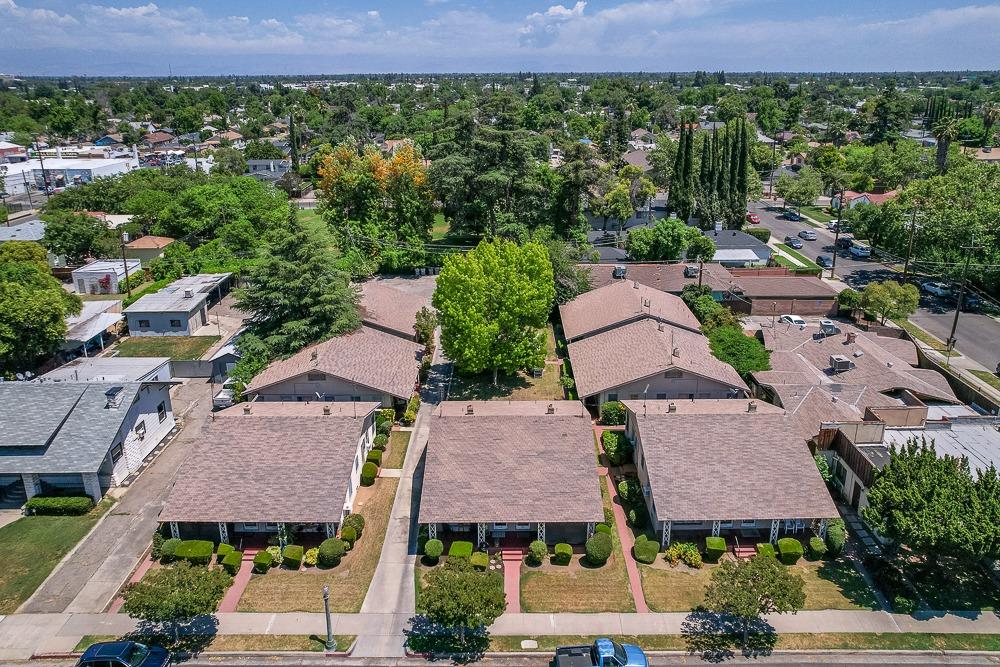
column 282, row 590
column 175, row 347
column 396, row 453
column 522, row 386
column 953, row 586
column 33, row 546
column 577, row 588
column 828, row 585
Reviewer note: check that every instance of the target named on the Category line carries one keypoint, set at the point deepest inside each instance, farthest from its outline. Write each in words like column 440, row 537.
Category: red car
column 753, row 218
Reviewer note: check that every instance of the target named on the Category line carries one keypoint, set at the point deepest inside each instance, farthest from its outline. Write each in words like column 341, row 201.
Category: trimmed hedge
column 537, row 551
column 196, row 552
column 291, row 556
column 384, row 428
column 355, row 521
column 789, row 550
column 617, row 447
column 380, row 442
column 330, row 552
column 433, row 549
column 612, row 414
column 817, row 548
column 603, row 528
column 599, row 548
column 369, row 471
column 480, row 561
column 349, row 535
column 385, row 415
column 836, row 538
column 375, row 456
column 231, row 562
column 262, row 562
column 645, row 550
column 412, row 407
column 222, row 551
column 168, row 550
column 460, row 549
column 762, row 234
column 563, row 554
column 766, row 549
column 59, row 505
column 714, row 548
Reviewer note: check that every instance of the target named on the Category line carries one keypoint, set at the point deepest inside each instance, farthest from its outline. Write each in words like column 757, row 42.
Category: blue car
column 602, row 653
column 124, row 654
column 792, row 215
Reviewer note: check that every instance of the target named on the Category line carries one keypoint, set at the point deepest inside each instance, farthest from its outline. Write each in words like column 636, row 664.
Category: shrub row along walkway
column 627, row 540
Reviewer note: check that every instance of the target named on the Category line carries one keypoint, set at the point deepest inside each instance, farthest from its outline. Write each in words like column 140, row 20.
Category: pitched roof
column 390, row 309
column 664, row 277
column 639, row 350
column 158, row 137
column 367, row 356
column 638, row 159
column 732, row 466
column 150, row 242
column 301, row 476
column 619, row 303
column 515, row 466
column 774, row 287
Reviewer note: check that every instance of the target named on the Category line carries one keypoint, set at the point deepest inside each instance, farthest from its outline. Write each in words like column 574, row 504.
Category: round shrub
column 275, row 552
column 433, row 549
column 168, row 550
column 817, row 548
column 311, row 557
column 904, row 605
column 836, row 538
column 628, row 489
column 460, row 549
column 385, row 415
column 368, row 473
column 349, row 535
column 563, row 554
column 479, row 560
column 636, row 517
column 789, row 550
column 537, row 551
column 603, row 528
column 599, row 548
column 330, row 552
column 380, row 442
column 714, row 548
column 222, row 551
column 375, row 456
column 262, row 562
column 612, row 414
column 231, row 562
column 645, row 550
column 291, row 556
column 384, row 428
column 196, row 552
column 355, row 521
column 616, row 447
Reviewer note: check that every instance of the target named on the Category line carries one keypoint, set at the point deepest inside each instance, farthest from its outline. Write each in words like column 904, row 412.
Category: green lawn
column 33, row 546
column 818, row 213
column 175, row 347
column 232, row 643
column 398, row 442
column 440, row 228
column 987, row 377
column 805, row 262
column 925, row 338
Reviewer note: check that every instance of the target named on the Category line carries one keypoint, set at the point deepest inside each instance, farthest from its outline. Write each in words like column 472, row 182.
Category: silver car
column 807, row 235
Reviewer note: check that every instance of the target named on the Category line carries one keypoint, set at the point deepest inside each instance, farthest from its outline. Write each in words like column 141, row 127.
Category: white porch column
column 590, row 530
column 432, row 531
column 775, row 524
column 541, row 531
column 716, row 528
column 330, row 529
column 223, row 533
column 282, row 540
column 665, row 539
column 822, row 528
column 480, row 534
column 30, row 481
column 92, row 486
column 174, row 530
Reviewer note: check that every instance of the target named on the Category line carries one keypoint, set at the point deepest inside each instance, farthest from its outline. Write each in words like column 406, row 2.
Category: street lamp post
column 331, row 645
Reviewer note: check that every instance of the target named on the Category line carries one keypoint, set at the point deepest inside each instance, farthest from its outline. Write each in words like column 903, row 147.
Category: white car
column 937, row 289
column 792, row 319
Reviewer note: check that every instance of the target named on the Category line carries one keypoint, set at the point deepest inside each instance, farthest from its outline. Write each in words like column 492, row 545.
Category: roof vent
column 834, row 399
column 645, row 303
column 114, row 396
column 635, row 285
column 752, row 406
column 851, row 336
column 659, row 325
column 859, row 353
column 888, row 364
column 551, row 410
column 671, row 407
column 188, row 293
column 326, row 410
column 676, row 352
column 469, row 410
column 246, row 409
column 315, row 355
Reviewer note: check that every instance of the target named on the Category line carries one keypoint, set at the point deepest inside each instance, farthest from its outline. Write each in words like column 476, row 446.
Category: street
column 977, row 334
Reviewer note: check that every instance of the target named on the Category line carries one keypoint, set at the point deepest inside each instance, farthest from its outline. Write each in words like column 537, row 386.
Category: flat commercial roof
column 109, row 266
column 171, row 299
column 977, row 440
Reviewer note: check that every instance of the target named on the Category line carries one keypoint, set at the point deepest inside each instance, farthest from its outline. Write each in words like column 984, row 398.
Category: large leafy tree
column 890, row 299
column 493, row 303
column 801, row 189
column 748, row 589
column 295, row 294
column 742, row 352
column 78, row 236
column 461, row 598
column 668, row 239
column 173, row 595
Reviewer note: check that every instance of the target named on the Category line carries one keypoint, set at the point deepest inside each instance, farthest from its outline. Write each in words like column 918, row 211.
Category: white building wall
column 91, row 284
column 137, row 446
column 685, row 386
column 159, row 323
column 365, row 443
column 300, row 388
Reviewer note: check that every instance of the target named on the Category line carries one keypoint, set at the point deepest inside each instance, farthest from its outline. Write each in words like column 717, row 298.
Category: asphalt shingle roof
column 619, row 303
column 388, row 308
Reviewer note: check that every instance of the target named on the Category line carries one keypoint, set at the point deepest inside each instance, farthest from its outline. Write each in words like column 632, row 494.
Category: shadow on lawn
column 480, row 387
column 717, row 636
column 849, row 582
column 440, row 642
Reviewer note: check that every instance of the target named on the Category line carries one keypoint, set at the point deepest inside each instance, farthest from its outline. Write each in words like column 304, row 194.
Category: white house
column 104, row 276
column 178, row 309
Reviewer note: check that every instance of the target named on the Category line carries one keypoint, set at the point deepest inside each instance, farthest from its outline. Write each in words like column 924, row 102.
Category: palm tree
column 991, row 114
column 945, row 131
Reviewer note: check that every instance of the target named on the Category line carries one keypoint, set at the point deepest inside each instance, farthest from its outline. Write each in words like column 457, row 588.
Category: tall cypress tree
column 689, row 181
column 733, row 133
column 293, row 140
column 742, row 179
column 722, row 191
column 678, row 179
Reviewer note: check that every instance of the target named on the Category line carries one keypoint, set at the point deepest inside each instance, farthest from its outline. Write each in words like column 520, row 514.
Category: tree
column 78, row 236
column 945, row 131
column 569, row 278
column 262, row 150
column 426, row 323
column 991, row 113
column 24, row 251
column 493, row 303
column 802, row 189
column 742, row 352
column 668, row 239
column 228, row 162
column 175, row 594
column 890, row 299
column 462, row 599
column 295, row 295
column 748, row 589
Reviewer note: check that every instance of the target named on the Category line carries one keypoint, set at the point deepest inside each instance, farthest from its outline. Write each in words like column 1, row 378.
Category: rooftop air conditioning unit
column 620, row 271
column 839, row 363
column 189, row 293
column 690, row 271
column 828, row 327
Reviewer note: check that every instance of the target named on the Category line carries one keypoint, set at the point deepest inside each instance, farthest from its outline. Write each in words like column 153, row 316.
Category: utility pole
column 909, row 245
column 124, row 239
column 961, row 294
column 3, row 191
column 770, row 179
column 27, row 190
column 701, row 269
column 836, row 232
column 45, row 177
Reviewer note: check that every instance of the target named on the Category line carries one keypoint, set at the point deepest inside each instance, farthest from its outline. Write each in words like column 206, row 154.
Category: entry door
column 81, row 286
column 856, row 494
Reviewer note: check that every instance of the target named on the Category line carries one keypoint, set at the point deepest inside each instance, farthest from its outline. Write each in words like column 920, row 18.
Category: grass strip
column 231, row 643
column 987, row 377
column 925, row 338
column 806, row 263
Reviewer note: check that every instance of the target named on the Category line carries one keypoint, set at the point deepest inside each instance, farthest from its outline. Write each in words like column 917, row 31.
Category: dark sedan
column 825, row 261
column 124, row 654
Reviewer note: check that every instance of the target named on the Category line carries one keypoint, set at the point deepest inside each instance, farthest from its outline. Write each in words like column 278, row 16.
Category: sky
column 109, row 38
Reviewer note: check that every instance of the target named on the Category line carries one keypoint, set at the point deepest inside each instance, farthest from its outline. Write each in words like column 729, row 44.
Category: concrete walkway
column 89, row 577
column 627, row 540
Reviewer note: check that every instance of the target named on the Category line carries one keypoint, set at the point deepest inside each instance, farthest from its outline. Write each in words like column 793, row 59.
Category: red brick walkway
column 240, row 581
column 139, row 573
column 512, row 559
column 625, row 536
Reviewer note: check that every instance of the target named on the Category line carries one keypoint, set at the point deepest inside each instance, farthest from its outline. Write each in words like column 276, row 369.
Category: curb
column 70, row 655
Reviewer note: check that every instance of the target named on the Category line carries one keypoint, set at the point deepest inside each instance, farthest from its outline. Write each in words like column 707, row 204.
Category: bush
column 562, row 554
column 617, row 447
column 789, row 550
column 369, row 471
column 636, row 516
column 537, row 551
column 460, row 549
column 375, row 456
column 612, row 414
column 262, row 562
column 387, row 415
column 384, row 429
column 168, row 550
column 890, row 579
column 330, row 552
column 349, row 535
column 380, row 442
column 479, row 560
column 604, row 528
column 311, row 557
column 817, row 548
column 762, row 234
column 291, row 556
column 836, row 538
column 629, row 490
column 231, row 562
column 355, row 521
column 683, row 552
column 59, row 505
column 222, row 551
column 433, row 549
column 904, row 605
column 766, row 549
column 744, row 353
column 196, row 552
column 158, row 540
column 645, row 550
column 714, row 548
column 599, row 548
column 275, row 552
column 412, row 407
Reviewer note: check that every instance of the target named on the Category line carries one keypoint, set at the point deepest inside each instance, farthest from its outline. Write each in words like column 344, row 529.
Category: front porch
column 510, row 534
column 256, row 535
column 742, row 536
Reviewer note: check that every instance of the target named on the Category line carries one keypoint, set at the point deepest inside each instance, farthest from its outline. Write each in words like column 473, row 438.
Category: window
column 143, row 324
column 748, row 523
column 612, row 397
column 161, row 411
column 116, row 453
column 522, row 526
column 500, row 526
column 726, row 524
column 140, row 429
column 674, row 373
column 317, row 377
column 661, row 397
column 175, row 324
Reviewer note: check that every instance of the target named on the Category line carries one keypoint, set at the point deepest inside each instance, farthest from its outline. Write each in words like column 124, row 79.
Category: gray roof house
column 178, row 309
column 77, row 437
column 499, row 470
column 736, row 248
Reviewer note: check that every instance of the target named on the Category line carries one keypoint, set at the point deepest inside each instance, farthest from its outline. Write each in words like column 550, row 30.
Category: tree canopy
column 175, row 594
column 668, row 239
column 462, row 598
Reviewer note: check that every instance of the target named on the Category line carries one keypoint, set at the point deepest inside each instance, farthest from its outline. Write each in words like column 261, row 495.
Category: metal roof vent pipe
column 247, row 409
column 469, row 409
column 752, row 406
column 550, row 410
column 671, row 407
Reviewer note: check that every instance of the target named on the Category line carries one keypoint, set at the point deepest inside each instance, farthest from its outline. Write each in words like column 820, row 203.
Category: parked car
column 970, row 302
column 825, row 261
column 807, row 234
column 844, row 242
column 793, row 242
column 860, row 249
column 124, row 654
column 832, row 225
column 937, row 289
column 794, row 216
column 792, row 319
column 602, row 653
column 224, row 399
column 753, row 218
